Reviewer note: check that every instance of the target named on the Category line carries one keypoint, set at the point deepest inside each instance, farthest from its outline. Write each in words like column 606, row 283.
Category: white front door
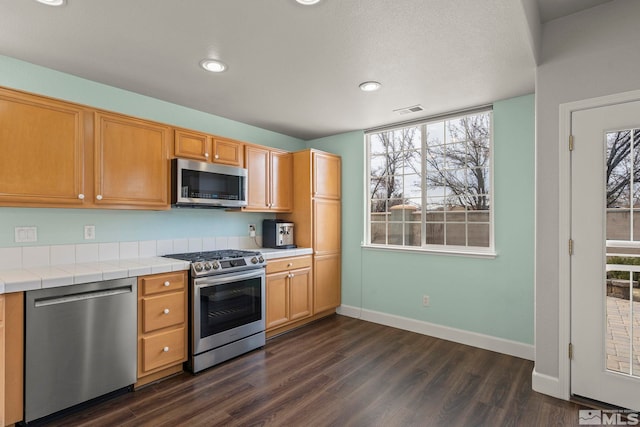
column 605, row 265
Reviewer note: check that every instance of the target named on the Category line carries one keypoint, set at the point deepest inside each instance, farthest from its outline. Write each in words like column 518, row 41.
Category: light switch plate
column 26, row 234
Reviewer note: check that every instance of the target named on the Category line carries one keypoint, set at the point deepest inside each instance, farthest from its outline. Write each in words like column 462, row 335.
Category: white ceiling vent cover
column 409, row 110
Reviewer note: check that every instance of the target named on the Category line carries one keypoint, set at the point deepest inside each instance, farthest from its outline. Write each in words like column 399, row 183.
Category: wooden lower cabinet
column 162, row 325
column 289, row 287
column 327, row 286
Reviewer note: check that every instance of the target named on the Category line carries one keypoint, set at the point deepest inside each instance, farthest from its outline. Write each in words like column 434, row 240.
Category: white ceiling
column 292, row 69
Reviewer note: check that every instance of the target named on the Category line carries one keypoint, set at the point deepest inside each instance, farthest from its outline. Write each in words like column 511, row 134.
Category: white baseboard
column 487, row 342
column 546, row 384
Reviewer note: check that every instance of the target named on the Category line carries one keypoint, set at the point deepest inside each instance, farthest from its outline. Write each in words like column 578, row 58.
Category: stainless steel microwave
column 201, row 184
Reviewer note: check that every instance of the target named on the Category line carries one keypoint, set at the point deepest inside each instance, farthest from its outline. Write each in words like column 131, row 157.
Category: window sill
column 464, row 252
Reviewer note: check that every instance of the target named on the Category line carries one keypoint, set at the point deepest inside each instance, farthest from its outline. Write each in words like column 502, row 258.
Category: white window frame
column 469, row 251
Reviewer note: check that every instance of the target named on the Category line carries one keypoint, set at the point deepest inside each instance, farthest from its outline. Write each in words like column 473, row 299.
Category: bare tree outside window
column 429, row 184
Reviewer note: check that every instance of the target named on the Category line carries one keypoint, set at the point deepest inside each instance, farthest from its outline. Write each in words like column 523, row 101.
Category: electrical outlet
column 252, row 230
column 26, row 234
column 89, row 232
column 425, row 300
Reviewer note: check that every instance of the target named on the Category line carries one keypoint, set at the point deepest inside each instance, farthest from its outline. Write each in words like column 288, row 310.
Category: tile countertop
column 30, row 278
column 270, row 253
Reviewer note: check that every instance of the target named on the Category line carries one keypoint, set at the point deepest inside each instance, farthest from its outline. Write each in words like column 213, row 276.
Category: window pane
column 379, row 207
column 478, row 235
column 435, row 133
column 456, row 234
column 412, row 186
column 435, row 234
column 377, row 144
column 396, row 233
column 456, row 156
column 415, row 234
column 618, row 169
column 378, row 165
column 478, row 180
column 379, row 233
column 412, row 162
column 618, row 224
column 478, row 216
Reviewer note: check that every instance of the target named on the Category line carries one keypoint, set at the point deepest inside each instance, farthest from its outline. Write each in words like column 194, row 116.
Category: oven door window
column 227, row 306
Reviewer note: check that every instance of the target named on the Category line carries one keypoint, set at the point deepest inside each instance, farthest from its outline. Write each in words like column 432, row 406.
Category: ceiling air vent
column 409, row 110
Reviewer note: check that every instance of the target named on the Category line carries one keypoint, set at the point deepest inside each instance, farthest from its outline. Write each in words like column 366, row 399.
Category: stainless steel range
column 226, row 305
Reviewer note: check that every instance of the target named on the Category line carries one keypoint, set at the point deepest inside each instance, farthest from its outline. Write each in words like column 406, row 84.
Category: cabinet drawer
column 162, row 349
column 284, row 264
column 163, row 310
column 150, row 285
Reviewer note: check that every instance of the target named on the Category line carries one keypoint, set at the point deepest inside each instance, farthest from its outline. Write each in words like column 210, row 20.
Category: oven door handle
column 227, row 278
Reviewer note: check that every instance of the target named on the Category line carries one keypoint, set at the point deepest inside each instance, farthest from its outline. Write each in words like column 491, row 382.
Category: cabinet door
column 257, row 164
column 326, row 227
column 41, row 151
column 300, row 294
column 326, row 175
column 131, row 162
column 192, row 145
column 326, row 282
column 227, row 152
column 281, row 181
column 277, row 299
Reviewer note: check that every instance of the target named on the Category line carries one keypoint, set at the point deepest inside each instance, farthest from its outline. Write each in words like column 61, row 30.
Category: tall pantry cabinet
column 316, row 216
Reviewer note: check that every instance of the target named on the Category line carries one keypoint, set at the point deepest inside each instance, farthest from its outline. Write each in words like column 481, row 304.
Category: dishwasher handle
column 43, row 302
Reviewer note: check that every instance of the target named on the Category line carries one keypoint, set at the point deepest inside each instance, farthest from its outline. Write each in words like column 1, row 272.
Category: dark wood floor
column 343, row 372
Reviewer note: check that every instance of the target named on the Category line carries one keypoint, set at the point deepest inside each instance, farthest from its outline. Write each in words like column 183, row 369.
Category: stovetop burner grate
column 213, row 255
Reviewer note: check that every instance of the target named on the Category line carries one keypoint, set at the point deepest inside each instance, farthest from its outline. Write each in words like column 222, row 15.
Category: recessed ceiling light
column 52, row 2
column 370, row 86
column 308, row 2
column 213, row 65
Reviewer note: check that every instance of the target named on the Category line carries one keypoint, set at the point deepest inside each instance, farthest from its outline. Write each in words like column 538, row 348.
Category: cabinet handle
column 81, row 196
column 216, row 156
column 99, row 197
column 166, row 311
column 167, row 283
column 166, row 349
column 290, row 264
column 206, row 154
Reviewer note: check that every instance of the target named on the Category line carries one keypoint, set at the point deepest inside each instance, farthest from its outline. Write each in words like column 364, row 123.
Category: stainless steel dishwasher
column 80, row 344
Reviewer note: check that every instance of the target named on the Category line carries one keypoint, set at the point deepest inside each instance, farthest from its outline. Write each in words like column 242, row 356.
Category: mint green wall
column 64, row 226
column 489, row 296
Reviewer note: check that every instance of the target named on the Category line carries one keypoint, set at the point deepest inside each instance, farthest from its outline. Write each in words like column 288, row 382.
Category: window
column 429, row 185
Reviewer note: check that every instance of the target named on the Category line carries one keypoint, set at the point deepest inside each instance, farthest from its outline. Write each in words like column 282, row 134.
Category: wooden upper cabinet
column 208, row 148
column 131, row 162
column 257, row 164
column 42, row 151
column 192, row 145
column 326, row 175
column 281, row 181
column 270, row 177
column 227, row 152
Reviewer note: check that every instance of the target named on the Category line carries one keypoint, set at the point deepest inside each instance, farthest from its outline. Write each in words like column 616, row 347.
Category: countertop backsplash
column 42, row 256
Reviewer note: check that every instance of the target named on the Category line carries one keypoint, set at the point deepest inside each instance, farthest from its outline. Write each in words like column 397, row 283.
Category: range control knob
column 207, row 266
column 216, row 265
column 254, row 260
column 198, row 267
column 261, row 258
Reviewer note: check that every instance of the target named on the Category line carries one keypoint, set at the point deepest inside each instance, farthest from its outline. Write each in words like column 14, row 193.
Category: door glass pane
column 623, row 251
column 618, row 325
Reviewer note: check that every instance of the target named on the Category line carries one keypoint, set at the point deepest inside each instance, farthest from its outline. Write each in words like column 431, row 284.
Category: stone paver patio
column 618, row 339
